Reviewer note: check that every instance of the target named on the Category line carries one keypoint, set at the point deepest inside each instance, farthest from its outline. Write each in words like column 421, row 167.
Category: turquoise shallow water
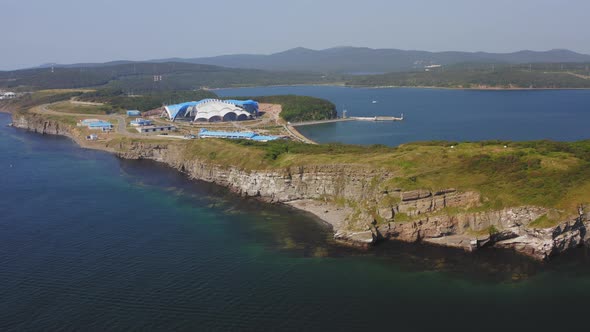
column 91, row 242
column 452, row 115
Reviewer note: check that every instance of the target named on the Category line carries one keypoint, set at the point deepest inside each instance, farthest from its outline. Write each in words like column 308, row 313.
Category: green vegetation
column 486, row 76
column 142, row 78
column 299, row 108
column 42, row 97
column 69, row 107
column 119, row 100
column 294, row 108
column 139, row 77
column 540, row 173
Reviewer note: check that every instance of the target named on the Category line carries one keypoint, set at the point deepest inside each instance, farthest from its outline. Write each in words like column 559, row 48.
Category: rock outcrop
column 378, row 213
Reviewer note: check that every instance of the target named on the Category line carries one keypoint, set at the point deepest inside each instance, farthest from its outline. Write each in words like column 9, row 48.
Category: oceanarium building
column 212, row 110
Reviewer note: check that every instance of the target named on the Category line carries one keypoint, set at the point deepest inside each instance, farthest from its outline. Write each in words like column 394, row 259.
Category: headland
column 529, row 197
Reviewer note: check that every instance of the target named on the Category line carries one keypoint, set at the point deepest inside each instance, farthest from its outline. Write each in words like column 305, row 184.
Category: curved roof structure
column 177, row 109
column 211, row 110
column 215, row 110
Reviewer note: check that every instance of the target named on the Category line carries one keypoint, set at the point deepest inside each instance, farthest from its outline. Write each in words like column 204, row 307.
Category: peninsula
column 530, row 197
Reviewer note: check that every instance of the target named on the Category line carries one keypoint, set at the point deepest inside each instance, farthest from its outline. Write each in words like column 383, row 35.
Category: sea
column 443, row 114
column 91, row 242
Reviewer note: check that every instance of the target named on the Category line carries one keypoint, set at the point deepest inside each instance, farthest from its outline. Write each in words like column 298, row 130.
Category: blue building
column 204, row 133
column 141, row 122
column 100, row 125
column 133, row 113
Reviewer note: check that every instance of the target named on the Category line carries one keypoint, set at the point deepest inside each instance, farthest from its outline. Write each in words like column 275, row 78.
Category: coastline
column 344, row 85
column 308, row 188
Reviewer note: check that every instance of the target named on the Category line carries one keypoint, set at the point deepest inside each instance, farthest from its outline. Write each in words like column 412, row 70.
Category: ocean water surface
column 90, row 242
column 438, row 114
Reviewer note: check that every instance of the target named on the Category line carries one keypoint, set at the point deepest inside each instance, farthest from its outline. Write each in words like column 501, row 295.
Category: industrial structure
column 212, row 110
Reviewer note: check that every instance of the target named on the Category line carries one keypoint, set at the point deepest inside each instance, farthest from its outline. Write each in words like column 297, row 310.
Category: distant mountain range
column 367, row 60
column 362, row 60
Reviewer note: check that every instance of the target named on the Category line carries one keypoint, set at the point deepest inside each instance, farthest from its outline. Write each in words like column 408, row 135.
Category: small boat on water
column 374, row 102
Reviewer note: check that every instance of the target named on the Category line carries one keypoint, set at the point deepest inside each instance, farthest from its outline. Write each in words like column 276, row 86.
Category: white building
column 7, row 95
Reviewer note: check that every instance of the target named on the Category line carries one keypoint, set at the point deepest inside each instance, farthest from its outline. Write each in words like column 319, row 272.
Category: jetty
column 351, row 118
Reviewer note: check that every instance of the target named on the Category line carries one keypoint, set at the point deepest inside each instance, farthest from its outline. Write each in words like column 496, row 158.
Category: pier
column 351, row 118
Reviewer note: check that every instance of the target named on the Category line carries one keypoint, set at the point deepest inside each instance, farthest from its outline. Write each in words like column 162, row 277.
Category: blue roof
column 178, row 108
column 235, row 134
column 232, row 134
column 87, row 121
column 264, row 138
column 100, row 124
column 242, row 102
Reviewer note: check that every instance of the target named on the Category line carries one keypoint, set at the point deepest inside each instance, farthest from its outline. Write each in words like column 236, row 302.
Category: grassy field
column 68, row 107
column 542, row 173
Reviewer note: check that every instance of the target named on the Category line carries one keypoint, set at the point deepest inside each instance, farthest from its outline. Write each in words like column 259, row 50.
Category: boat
column 374, row 102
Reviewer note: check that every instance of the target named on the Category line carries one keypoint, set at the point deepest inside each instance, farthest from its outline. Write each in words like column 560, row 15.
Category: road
column 120, row 128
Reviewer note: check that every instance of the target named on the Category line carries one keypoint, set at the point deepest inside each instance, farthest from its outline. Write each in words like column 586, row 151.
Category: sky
column 35, row 32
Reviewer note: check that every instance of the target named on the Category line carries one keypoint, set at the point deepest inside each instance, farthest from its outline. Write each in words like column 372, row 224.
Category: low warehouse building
column 204, row 133
column 85, row 122
column 154, row 129
column 96, row 124
column 141, row 122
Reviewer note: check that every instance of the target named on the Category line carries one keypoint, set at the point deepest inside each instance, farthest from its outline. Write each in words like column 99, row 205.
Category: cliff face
column 41, row 125
column 371, row 212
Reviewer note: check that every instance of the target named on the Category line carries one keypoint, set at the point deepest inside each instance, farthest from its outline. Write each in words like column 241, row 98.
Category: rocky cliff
column 366, row 212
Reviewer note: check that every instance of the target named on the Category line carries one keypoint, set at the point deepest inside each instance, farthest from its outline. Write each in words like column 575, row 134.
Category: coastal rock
column 544, row 243
column 429, row 203
column 359, row 238
column 414, row 195
column 386, row 213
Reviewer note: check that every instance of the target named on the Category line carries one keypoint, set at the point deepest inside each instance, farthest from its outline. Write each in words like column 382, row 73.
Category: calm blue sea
column 90, row 242
column 437, row 114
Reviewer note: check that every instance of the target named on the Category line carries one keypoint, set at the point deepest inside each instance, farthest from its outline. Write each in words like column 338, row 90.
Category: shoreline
column 309, row 188
column 343, row 85
column 330, row 218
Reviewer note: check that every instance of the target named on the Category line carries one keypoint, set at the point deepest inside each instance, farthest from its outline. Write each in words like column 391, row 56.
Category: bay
column 443, row 114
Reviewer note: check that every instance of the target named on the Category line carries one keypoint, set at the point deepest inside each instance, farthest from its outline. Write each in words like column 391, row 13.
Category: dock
column 351, row 118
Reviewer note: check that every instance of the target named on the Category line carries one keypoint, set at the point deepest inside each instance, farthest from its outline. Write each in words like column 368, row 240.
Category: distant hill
column 367, row 60
column 141, row 76
column 486, row 76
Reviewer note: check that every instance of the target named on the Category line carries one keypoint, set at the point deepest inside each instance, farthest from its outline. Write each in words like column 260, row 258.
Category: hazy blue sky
column 69, row 31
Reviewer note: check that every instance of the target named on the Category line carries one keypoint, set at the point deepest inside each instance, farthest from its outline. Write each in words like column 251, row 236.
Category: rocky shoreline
column 323, row 190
